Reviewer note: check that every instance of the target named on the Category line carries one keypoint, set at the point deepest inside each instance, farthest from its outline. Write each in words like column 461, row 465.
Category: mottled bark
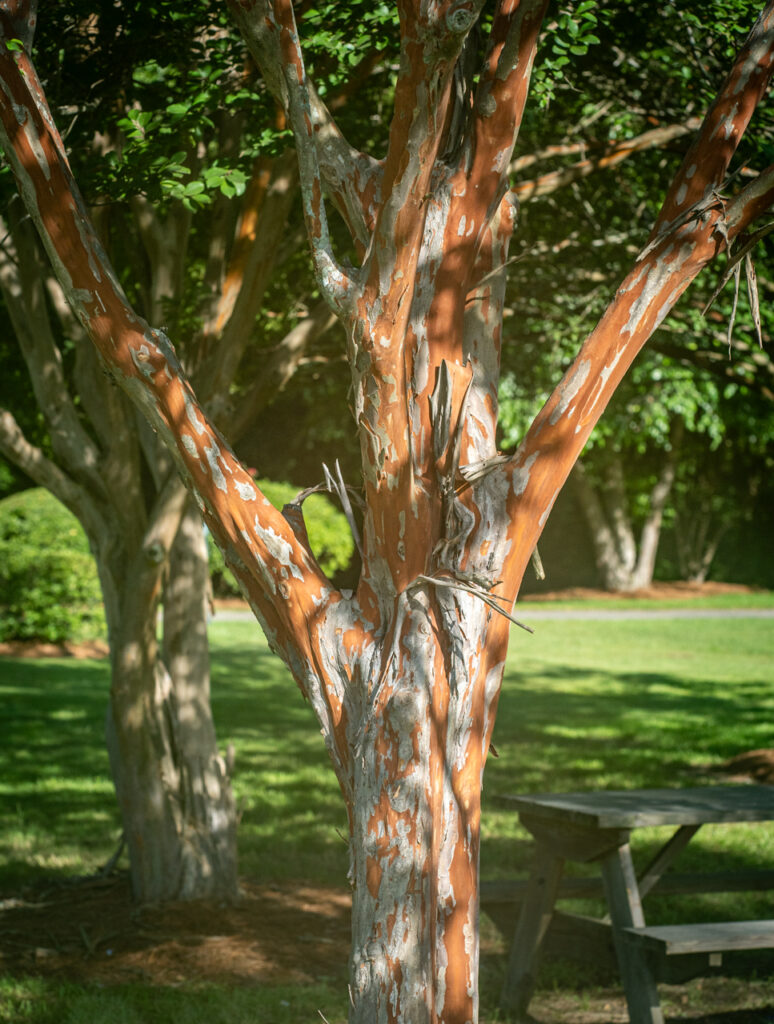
column 405, row 674
column 172, row 785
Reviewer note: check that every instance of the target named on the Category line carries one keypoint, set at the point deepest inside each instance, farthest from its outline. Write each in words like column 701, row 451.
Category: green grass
column 743, row 600
column 38, row 1001
column 585, row 705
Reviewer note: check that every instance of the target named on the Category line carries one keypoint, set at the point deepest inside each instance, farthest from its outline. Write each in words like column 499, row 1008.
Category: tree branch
column 269, row 28
column 432, row 38
column 706, row 163
column 678, row 250
column 502, row 90
column 31, row 459
column 21, row 281
column 165, row 240
column 279, row 368
column 614, row 153
column 352, row 178
column 161, row 529
column 752, row 202
column 256, row 253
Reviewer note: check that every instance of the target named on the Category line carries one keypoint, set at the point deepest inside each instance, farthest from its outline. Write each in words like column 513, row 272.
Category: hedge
column 49, row 588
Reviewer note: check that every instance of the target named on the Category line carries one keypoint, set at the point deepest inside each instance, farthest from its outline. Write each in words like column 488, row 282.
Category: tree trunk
column 418, row 763
column 623, row 564
column 615, row 561
column 172, row 786
column 211, row 821
column 651, row 528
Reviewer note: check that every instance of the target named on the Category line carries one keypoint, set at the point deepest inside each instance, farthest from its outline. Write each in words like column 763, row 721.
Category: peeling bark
column 404, row 675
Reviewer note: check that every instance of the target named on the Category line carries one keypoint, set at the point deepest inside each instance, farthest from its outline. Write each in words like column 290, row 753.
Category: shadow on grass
column 561, row 726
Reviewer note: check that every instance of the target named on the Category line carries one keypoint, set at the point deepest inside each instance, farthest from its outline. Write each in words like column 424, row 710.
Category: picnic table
column 596, row 827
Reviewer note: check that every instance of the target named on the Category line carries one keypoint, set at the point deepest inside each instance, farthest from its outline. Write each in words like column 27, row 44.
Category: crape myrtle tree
column 161, row 155
column 179, row 181
column 404, row 673
column 172, row 784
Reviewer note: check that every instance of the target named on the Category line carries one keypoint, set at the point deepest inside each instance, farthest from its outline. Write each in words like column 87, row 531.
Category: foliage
column 329, row 536
column 49, row 589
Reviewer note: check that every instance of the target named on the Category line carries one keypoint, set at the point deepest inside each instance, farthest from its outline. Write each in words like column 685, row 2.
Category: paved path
column 536, row 613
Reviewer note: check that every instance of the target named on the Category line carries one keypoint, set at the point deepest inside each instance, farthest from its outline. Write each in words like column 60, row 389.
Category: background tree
column 404, row 674
column 161, row 154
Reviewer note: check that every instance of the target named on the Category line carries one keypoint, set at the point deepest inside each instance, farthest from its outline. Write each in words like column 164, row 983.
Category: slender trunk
column 623, row 564
column 697, row 540
column 614, row 569
column 616, row 504
column 210, row 806
column 172, row 786
column 651, row 529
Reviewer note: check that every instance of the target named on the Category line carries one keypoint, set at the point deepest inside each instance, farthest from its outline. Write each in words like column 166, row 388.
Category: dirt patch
column 90, row 932
column 37, row 649
column 294, row 933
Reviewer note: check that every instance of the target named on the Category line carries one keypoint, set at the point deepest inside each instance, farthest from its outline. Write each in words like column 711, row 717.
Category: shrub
column 328, row 529
column 49, row 588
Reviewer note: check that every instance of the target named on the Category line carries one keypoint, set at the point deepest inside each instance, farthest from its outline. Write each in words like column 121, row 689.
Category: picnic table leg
column 534, row 919
column 623, row 900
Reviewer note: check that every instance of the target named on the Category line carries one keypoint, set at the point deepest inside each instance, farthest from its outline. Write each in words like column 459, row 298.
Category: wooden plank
column 643, row 807
column 512, row 890
column 654, row 871
column 626, row 913
column 708, row 937
column 534, row 919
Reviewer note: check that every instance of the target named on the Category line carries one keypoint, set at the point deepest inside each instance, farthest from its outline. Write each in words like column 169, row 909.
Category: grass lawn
column 585, row 705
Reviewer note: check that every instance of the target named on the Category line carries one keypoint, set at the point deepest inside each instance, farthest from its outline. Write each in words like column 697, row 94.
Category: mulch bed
column 89, row 931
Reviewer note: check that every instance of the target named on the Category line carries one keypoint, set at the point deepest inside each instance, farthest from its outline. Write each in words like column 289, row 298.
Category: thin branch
column 278, row 368
column 613, row 155
column 352, row 178
column 479, row 592
column 270, row 28
column 256, row 254
column 735, row 259
column 21, row 281
column 32, row 460
column 336, row 485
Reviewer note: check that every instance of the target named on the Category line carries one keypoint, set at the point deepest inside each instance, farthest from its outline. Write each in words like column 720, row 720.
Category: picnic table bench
column 596, row 827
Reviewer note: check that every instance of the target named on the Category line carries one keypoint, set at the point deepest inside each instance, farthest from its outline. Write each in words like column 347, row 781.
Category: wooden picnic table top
column 635, row 808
